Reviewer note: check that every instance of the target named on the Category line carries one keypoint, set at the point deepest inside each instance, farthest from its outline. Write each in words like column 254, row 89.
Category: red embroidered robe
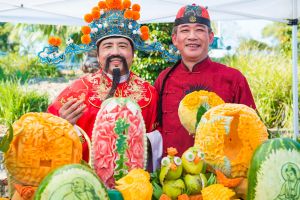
column 94, row 88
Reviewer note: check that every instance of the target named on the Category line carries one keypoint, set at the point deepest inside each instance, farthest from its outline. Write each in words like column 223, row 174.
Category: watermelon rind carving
column 274, row 172
column 73, row 181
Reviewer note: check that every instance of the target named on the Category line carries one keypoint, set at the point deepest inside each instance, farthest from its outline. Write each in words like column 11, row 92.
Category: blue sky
column 232, row 31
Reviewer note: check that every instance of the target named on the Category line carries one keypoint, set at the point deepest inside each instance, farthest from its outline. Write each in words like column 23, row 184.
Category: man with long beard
column 80, row 102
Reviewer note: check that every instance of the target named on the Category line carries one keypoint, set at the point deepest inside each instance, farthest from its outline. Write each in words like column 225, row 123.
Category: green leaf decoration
column 211, row 180
column 121, row 126
column 157, row 190
column 201, row 110
column 121, row 130
column 6, row 140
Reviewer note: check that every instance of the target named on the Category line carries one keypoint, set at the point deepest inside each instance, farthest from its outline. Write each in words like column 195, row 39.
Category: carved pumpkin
column 41, row 143
column 194, row 105
column 228, row 134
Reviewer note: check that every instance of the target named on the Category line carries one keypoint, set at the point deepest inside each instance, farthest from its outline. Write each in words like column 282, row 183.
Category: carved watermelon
column 119, row 141
column 41, row 143
column 71, row 182
column 274, row 173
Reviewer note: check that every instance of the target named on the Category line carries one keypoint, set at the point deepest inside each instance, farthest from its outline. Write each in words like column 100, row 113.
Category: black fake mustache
column 109, row 59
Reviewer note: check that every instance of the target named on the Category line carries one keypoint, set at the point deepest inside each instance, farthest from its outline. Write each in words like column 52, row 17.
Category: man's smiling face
column 192, row 40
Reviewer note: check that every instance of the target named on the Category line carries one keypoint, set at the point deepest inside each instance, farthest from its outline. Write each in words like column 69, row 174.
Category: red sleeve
column 76, row 90
column 243, row 94
column 150, row 111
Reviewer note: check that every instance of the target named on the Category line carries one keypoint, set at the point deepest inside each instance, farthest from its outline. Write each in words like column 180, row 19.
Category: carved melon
column 217, row 192
column 194, row 105
column 41, row 143
column 274, row 172
column 119, row 141
column 228, row 134
column 71, row 182
column 135, row 185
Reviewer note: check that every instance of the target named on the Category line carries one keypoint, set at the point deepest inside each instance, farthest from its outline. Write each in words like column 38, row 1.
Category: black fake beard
column 116, row 74
column 115, row 82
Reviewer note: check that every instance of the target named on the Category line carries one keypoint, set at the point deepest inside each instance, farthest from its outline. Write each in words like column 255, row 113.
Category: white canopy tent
column 71, row 12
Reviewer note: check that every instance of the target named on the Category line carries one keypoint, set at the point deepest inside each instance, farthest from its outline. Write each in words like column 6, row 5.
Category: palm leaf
column 6, row 140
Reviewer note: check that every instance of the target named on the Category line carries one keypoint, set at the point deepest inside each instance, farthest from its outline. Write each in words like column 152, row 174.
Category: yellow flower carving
column 191, row 101
column 190, row 104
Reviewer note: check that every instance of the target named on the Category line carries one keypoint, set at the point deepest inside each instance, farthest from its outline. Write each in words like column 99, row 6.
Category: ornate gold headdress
column 109, row 18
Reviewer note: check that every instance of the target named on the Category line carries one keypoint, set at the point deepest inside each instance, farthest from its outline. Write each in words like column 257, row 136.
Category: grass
column 15, row 102
column 270, row 79
column 14, row 67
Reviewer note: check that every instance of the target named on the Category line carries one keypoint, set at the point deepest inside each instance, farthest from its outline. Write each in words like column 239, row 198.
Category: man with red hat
column 192, row 35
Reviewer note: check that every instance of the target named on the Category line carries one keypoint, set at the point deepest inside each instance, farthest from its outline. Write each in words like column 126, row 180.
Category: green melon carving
column 71, row 182
column 274, row 173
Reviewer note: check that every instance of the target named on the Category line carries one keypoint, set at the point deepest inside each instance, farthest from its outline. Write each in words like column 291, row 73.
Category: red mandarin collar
column 198, row 66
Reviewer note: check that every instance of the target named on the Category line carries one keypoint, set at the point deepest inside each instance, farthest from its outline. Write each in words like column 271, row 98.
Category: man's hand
column 72, row 110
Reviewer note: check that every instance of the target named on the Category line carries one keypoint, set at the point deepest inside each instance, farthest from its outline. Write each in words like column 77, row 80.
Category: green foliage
column 16, row 67
column 270, row 78
column 44, row 31
column 251, row 44
column 283, row 34
column 6, row 44
column 149, row 65
column 7, row 138
column 33, row 34
column 15, row 102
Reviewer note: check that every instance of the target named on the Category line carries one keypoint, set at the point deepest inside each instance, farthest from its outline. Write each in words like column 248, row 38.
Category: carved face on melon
column 228, row 134
column 274, row 172
column 41, row 143
column 119, row 142
column 192, row 160
column 72, row 181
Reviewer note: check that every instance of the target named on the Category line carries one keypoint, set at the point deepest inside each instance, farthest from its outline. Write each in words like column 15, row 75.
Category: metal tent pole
column 294, row 23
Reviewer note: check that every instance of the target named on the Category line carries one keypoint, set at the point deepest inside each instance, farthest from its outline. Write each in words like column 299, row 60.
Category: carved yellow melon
column 41, row 143
column 135, row 185
column 228, row 134
column 217, row 192
column 194, row 105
